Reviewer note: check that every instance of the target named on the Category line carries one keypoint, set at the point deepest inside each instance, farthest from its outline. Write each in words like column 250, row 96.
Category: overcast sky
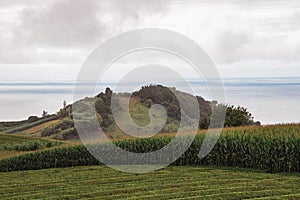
column 49, row 39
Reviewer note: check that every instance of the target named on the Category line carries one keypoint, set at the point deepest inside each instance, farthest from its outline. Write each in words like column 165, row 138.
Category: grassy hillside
column 36, row 130
column 7, row 125
column 11, row 145
column 21, row 137
column 100, row 182
column 140, row 103
column 19, row 126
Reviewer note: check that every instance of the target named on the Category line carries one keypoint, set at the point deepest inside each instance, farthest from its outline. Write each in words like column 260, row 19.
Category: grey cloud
column 230, row 43
column 4, row 4
column 42, row 29
column 248, row 47
column 67, row 23
column 266, row 3
column 65, row 31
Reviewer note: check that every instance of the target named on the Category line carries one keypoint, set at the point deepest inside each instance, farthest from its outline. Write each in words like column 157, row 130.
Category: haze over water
column 270, row 100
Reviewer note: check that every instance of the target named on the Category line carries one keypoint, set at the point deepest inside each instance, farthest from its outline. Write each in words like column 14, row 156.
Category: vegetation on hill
column 9, row 140
column 36, row 130
column 140, row 103
column 14, row 144
column 62, row 130
column 13, row 127
column 7, row 125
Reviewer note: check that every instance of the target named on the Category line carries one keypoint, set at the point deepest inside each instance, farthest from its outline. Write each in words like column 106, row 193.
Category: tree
column 64, row 104
column 238, row 116
column 108, row 92
column 234, row 116
column 45, row 113
column 65, row 112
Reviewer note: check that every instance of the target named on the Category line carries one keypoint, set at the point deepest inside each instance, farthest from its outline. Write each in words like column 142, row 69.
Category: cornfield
column 271, row 148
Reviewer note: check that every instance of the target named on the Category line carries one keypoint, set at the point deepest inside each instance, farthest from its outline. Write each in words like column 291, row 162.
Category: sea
column 270, row 100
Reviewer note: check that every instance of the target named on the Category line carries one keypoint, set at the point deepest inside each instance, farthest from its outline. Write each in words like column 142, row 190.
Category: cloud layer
column 65, row 31
column 248, row 34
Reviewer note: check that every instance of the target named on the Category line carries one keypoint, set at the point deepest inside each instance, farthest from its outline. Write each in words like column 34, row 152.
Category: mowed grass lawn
column 101, row 182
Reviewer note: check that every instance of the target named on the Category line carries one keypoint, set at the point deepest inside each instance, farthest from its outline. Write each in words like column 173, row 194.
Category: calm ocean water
column 271, row 100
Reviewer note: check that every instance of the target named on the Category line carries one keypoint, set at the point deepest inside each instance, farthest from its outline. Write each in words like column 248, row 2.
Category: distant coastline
column 272, row 100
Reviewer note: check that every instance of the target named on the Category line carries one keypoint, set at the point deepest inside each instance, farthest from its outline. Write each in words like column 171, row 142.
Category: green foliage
column 29, row 146
column 66, row 134
column 19, row 143
column 12, row 123
column 171, row 126
column 204, row 123
column 157, row 94
column 166, row 97
column 103, row 108
column 234, row 117
column 140, row 103
column 32, row 119
column 28, row 125
column 238, row 116
column 61, row 130
column 65, row 111
column 58, row 157
column 273, row 149
column 7, row 125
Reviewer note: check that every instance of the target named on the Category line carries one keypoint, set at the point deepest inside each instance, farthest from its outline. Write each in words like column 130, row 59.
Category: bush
column 65, row 134
column 64, row 128
column 33, row 119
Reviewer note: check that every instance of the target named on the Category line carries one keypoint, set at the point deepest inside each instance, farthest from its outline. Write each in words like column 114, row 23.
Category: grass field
column 100, row 182
column 12, row 145
column 36, row 130
column 17, row 127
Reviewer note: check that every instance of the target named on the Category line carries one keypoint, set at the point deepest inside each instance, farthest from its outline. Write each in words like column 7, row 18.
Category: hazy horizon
column 270, row 100
column 48, row 41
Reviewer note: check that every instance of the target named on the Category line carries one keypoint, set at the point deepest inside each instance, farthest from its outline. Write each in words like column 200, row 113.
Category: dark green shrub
column 33, row 119
column 65, row 127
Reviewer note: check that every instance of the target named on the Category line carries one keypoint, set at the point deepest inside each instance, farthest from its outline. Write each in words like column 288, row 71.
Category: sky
column 49, row 40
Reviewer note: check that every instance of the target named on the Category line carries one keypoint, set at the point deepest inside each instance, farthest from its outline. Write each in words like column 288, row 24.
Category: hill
column 140, row 103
